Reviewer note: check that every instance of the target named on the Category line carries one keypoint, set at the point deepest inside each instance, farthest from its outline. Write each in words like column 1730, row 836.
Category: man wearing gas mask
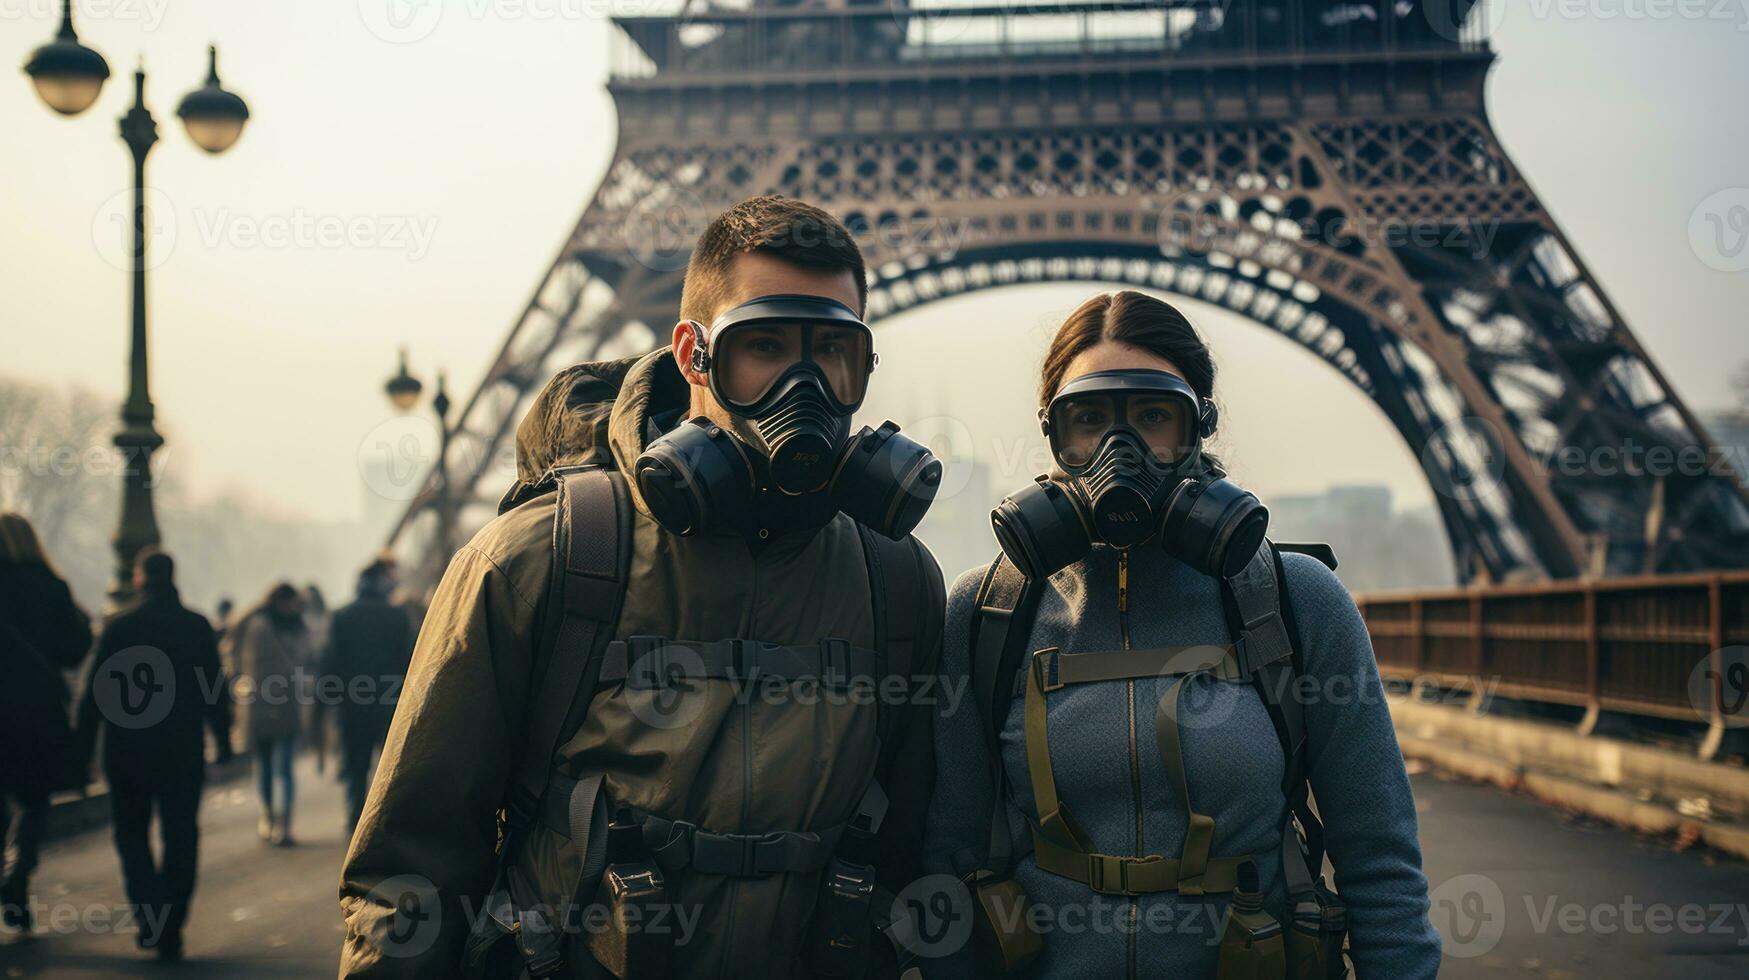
column 662, row 719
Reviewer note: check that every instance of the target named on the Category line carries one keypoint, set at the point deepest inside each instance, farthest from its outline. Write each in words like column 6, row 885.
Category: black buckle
column 538, row 942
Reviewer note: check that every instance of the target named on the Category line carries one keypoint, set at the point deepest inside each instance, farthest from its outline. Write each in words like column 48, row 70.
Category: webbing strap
column 679, row 845
column 1256, row 600
column 1112, row 875
column 1199, row 828
column 1063, row 669
column 1061, row 848
column 650, row 662
column 1053, row 824
column 1003, row 616
column 1262, row 636
column 592, row 549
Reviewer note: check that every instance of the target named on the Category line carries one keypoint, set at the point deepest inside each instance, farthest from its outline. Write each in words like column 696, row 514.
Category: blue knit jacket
column 1234, row 764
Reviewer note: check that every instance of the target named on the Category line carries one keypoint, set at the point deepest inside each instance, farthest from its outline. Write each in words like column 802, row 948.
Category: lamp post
column 403, row 390
column 69, row 76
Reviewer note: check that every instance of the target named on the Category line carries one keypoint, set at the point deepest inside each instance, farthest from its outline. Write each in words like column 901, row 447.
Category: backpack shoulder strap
column 1261, row 619
column 904, row 588
column 592, row 544
column 1002, row 616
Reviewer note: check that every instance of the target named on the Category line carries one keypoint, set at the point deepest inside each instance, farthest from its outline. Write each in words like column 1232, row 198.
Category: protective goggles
column 1159, row 409
column 750, row 350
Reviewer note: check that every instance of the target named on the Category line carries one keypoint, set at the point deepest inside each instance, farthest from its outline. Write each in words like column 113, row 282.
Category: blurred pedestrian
column 153, row 685
column 370, row 642
column 222, row 617
column 42, row 633
column 272, row 657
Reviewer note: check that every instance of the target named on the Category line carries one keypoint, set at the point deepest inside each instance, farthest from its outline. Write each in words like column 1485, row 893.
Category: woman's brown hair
column 1135, row 319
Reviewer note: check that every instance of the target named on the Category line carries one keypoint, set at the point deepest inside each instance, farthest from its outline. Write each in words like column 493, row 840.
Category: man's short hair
column 791, row 230
column 156, row 567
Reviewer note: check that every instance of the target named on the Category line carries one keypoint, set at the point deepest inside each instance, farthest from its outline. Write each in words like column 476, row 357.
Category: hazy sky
column 412, row 193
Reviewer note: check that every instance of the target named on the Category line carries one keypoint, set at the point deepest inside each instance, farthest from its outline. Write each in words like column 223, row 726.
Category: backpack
column 1266, row 650
column 561, row 858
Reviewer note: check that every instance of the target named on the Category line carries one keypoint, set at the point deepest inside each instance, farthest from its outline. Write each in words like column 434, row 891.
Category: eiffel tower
column 1326, row 170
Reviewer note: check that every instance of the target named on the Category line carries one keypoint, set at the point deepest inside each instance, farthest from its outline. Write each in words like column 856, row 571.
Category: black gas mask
column 1130, row 446
column 792, row 370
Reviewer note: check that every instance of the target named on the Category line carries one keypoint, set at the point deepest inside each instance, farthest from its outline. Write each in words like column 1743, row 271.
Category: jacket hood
column 597, row 412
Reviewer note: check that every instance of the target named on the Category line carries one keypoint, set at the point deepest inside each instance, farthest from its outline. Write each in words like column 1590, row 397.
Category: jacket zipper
column 746, row 711
column 1123, row 624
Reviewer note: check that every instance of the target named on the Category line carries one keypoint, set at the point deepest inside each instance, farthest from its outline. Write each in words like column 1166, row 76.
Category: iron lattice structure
column 1323, row 169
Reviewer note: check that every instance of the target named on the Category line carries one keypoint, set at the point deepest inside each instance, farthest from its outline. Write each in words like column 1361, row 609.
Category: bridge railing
column 732, row 42
column 1656, row 646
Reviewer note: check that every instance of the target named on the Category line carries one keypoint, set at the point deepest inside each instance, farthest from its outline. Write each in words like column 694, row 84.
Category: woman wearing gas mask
column 1157, row 695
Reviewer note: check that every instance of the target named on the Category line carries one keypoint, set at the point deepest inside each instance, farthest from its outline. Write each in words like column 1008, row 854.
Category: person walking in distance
column 271, row 656
column 369, row 644
column 153, row 688
column 42, row 633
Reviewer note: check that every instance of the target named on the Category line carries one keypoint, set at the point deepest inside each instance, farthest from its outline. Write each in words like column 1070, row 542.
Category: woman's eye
column 766, row 345
column 1089, row 417
column 1156, row 416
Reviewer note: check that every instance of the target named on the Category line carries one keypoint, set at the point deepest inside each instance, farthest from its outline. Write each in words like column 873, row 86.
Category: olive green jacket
column 431, row 822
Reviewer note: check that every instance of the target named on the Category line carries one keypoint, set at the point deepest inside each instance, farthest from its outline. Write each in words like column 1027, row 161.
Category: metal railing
column 729, row 42
column 1662, row 647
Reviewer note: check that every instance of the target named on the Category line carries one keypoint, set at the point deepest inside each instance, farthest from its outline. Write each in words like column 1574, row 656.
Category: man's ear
column 685, row 343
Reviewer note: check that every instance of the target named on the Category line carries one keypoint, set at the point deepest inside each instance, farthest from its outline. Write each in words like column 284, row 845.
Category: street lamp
column 213, row 117
column 403, row 390
column 68, row 76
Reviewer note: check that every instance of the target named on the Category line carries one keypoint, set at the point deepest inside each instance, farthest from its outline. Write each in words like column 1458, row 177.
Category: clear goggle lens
column 748, row 359
column 1166, row 423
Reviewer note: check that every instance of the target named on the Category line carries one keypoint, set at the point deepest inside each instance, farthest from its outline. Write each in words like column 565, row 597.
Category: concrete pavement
column 1519, row 890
